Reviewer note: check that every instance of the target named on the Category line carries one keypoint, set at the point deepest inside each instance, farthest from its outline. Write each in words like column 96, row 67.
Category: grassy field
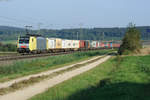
column 119, row 78
column 8, row 46
column 8, row 53
column 10, row 42
column 22, row 68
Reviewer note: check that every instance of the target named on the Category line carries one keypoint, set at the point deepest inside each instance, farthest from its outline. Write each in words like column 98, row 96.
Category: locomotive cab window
column 24, row 40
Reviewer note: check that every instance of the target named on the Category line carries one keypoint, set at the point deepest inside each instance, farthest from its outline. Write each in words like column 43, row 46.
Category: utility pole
column 103, row 35
column 77, row 35
column 112, row 41
column 28, row 28
column 81, row 24
column 39, row 27
column 73, row 35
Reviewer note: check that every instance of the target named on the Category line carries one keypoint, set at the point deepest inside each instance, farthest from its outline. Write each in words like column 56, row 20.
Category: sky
column 58, row 14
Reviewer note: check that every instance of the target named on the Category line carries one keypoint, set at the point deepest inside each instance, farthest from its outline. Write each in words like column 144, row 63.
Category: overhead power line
column 16, row 20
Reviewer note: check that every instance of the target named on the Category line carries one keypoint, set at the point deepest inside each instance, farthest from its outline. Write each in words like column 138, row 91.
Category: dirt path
column 9, row 83
column 40, row 87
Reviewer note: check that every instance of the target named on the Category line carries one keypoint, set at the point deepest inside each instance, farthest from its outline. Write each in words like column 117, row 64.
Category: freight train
column 37, row 44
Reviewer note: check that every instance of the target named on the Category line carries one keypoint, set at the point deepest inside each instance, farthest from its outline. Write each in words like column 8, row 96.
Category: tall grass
column 37, row 65
column 130, row 81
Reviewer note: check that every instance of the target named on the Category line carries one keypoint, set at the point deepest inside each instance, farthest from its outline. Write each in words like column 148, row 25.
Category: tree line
column 11, row 33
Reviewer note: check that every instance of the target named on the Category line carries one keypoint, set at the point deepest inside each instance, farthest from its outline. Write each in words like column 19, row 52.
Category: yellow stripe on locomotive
column 32, row 44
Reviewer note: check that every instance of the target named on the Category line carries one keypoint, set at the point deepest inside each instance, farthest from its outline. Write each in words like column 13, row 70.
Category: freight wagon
column 87, row 44
column 75, row 44
column 67, row 45
column 93, row 44
column 61, row 45
column 81, row 44
column 54, row 44
column 116, row 45
column 99, row 44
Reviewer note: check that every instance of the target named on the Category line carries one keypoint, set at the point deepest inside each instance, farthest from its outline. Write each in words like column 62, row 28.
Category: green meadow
column 120, row 78
column 26, row 67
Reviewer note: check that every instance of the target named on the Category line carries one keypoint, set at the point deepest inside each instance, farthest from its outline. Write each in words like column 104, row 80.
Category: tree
column 132, row 40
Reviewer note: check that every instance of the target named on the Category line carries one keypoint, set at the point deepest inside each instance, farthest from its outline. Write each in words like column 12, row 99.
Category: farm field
column 120, row 78
column 23, row 68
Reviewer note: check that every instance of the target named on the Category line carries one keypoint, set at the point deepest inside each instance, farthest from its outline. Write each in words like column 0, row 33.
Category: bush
column 131, row 41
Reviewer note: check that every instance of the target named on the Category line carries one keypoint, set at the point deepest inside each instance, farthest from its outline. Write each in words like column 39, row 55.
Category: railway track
column 18, row 57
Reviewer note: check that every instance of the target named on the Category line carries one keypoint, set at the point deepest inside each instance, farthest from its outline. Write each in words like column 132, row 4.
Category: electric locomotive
column 31, row 43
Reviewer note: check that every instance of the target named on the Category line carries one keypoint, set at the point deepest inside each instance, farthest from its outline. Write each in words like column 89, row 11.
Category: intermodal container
column 116, row 45
column 69, row 43
column 54, row 43
column 75, row 43
column 106, row 44
column 58, row 43
column 102, row 45
column 81, row 44
column 111, row 45
column 51, row 43
column 64, row 43
column 87, row 44
column 97, row 44
column 93, row 44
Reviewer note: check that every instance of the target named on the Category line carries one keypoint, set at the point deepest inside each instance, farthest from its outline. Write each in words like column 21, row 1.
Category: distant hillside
column 5, row 28
column 11, row 33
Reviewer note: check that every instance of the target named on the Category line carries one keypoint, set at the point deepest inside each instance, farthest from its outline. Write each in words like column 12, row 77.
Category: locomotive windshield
column 24, row 40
